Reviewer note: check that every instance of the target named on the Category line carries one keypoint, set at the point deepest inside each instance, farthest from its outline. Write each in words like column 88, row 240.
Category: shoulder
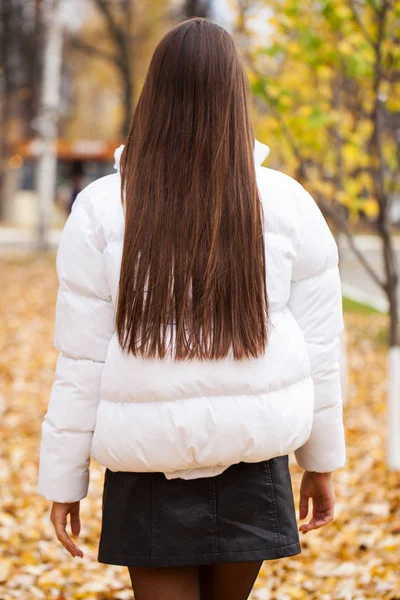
column 100, row 202
column 283, row 200
column 276, row 185
column 290, row 209
column 276, row 178
column 283, row 193
column 100, row 193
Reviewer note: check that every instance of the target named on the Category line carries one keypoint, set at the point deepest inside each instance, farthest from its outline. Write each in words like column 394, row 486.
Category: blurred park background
column 325, row 81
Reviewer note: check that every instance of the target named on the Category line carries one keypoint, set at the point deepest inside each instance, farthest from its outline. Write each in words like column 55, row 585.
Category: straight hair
column 192, row 279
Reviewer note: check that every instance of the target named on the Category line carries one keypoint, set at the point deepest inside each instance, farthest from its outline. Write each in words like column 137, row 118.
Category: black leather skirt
column 245, row 513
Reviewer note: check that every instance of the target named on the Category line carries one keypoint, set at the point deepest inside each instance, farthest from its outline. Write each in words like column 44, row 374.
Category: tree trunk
column 127, row 81
column 197, row 8
column 5, row 113
column 127, row 68
column 389, row 255
column 393, row 365
column 33, row 52
column 393, row 441
column 122, row 35
column 48, row 118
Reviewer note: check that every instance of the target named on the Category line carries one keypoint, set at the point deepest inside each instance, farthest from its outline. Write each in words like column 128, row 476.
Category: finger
column 69, row 544
column 320, row 512
column 315, row 524
column 63, row 537
column 75, row 520
column 303, row 506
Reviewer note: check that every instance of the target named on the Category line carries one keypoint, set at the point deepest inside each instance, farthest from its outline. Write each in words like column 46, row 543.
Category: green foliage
column 351, row 306
column 315, row 81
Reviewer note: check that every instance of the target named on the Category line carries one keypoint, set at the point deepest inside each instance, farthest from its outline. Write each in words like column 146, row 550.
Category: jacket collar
column 261, row 152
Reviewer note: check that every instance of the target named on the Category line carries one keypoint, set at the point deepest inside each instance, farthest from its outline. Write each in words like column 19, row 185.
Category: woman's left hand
column 58, row 517
column 319, row 488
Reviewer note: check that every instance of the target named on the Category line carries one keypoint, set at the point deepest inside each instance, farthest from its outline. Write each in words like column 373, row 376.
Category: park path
column 356, row 283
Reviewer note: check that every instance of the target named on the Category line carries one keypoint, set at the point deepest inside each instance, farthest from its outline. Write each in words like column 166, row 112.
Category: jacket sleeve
column 316, row 303
column 84, row 324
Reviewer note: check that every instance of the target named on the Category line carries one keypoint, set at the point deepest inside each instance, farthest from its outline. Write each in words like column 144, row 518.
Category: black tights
column 230, row 581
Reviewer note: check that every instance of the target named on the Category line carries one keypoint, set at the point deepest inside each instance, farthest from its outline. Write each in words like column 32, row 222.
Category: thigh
column 165, row 583
column 228, row 581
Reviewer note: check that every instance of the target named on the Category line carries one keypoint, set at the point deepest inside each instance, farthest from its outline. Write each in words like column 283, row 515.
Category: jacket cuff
column 325, row 450
column 63, row 475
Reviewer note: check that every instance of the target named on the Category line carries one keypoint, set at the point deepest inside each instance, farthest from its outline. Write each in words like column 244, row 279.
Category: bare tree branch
column 117, row 32
column 376, row 7
column 283, row 125
column 343, row 225
column 90, row 50
column 359, row 22
column 123, row 40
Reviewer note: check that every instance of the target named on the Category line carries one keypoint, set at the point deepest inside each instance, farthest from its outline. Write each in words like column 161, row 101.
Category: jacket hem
column 112, row 419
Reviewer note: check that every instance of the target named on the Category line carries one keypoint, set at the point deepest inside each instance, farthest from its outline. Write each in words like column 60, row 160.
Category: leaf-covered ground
column 356, row 557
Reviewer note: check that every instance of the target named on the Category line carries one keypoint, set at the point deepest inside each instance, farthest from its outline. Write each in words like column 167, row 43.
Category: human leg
column 228, row 581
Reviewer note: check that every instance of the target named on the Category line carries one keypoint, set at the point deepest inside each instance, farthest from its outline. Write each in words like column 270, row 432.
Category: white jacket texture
column 193, row 418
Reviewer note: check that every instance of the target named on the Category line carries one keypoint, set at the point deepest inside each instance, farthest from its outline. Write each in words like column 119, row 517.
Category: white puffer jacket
column 193, row 419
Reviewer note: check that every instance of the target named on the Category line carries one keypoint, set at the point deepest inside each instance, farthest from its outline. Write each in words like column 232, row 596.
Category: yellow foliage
column 327, row 66
column 325, row 72
column 293, row 47
column 351, row 154
column 285, row 101
column 343, row 11
column 345, row 47
column 370, row 208
column 305, row 111
column 273, row 91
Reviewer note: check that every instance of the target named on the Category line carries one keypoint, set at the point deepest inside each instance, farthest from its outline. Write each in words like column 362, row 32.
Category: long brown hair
column 193, row 261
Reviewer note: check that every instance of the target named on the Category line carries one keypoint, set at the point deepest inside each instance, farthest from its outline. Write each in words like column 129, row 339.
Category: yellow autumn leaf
column 297, row 594
column 272, row 90
column 351, row 153
column 5, row 568
column 293, row 47
column 345, row 47
column 285, row 101
column 343, row 11
column 370, row 208
column 305, row 111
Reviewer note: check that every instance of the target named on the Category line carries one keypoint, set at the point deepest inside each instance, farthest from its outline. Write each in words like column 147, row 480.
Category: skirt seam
column 215, row 516
column 153, row 519
column 269, row 474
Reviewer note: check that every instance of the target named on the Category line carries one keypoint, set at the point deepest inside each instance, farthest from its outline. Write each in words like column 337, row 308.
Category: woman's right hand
column 318, row 487
column 59, row 513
